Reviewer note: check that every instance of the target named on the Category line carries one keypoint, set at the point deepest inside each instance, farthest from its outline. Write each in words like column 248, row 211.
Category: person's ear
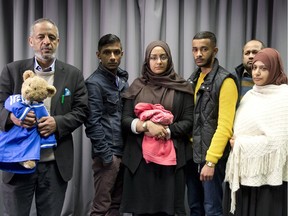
column 98, row 55
column 215, row 50
column 30, row 41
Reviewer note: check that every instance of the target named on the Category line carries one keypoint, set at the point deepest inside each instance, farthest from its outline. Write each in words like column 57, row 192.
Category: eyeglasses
column 161, row 57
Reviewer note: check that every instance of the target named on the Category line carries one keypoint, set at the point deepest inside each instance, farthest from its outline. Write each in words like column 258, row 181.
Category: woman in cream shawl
column 257, row 170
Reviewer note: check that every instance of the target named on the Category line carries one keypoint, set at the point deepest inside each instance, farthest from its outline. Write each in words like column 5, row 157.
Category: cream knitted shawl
column 259, row 156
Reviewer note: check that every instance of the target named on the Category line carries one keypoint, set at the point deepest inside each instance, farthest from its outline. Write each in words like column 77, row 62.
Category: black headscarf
column 157, row 88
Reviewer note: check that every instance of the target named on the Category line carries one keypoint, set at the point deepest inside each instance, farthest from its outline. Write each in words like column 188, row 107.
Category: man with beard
column 68, row 109
column 250, row 49
column 215, row 101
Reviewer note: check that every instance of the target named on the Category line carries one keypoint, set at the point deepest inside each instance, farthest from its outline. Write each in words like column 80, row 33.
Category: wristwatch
column 144, row 125
column 210, row 164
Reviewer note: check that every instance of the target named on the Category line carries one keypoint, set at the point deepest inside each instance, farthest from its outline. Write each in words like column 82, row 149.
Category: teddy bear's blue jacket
column 21, row 144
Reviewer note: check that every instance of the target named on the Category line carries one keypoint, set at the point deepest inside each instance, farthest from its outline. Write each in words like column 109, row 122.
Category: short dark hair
column 261, row 42
column 206, row 35
column 108, row 39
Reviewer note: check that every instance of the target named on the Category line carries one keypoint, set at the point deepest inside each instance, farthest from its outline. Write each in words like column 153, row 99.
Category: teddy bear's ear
column 27, row 74
column 51, row 90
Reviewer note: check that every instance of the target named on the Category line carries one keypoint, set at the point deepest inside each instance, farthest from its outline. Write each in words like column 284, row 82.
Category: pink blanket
column 156, row 150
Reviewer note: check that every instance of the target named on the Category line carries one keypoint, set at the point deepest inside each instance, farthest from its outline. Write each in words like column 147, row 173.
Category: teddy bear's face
column 36, row 89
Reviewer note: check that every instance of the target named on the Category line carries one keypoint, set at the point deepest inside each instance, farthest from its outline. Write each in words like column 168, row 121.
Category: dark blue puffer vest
column 206, row 109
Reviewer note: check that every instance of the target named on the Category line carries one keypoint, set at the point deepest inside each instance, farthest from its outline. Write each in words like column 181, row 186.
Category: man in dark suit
column 68, row 110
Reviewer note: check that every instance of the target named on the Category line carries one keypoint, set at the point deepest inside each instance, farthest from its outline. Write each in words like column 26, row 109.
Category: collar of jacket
column 122, row 74
column 239, row 70
column 209, row 78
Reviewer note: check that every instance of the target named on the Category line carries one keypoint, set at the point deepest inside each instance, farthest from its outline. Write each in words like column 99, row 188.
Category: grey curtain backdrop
column 137, row 23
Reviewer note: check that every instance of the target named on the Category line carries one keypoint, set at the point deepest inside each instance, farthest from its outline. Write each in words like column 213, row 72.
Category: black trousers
column 47, row 185
column 108, row 183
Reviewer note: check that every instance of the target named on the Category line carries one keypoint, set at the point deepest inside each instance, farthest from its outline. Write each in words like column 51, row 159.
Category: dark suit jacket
column 68, row 115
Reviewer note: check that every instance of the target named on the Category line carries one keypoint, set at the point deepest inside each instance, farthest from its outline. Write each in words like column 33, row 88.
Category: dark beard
column 209, row 62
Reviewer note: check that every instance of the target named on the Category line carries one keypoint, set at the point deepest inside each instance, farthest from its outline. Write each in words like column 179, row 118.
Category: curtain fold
column 137, row 23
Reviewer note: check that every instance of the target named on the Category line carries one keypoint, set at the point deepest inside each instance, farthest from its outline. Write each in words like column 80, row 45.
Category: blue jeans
column 205, row 198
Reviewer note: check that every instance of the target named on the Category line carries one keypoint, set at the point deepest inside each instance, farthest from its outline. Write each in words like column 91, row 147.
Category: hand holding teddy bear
column 22, row 143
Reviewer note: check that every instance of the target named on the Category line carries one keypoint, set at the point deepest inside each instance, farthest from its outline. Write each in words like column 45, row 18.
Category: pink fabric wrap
column 156, row 150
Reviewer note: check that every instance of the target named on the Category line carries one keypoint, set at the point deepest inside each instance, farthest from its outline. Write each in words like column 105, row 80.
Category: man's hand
column 46, row 125
column 28, row 122
column 207, row 173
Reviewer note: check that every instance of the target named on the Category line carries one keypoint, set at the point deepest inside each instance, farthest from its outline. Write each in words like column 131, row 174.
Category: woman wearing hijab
column 152, row 188
column 257, row 170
